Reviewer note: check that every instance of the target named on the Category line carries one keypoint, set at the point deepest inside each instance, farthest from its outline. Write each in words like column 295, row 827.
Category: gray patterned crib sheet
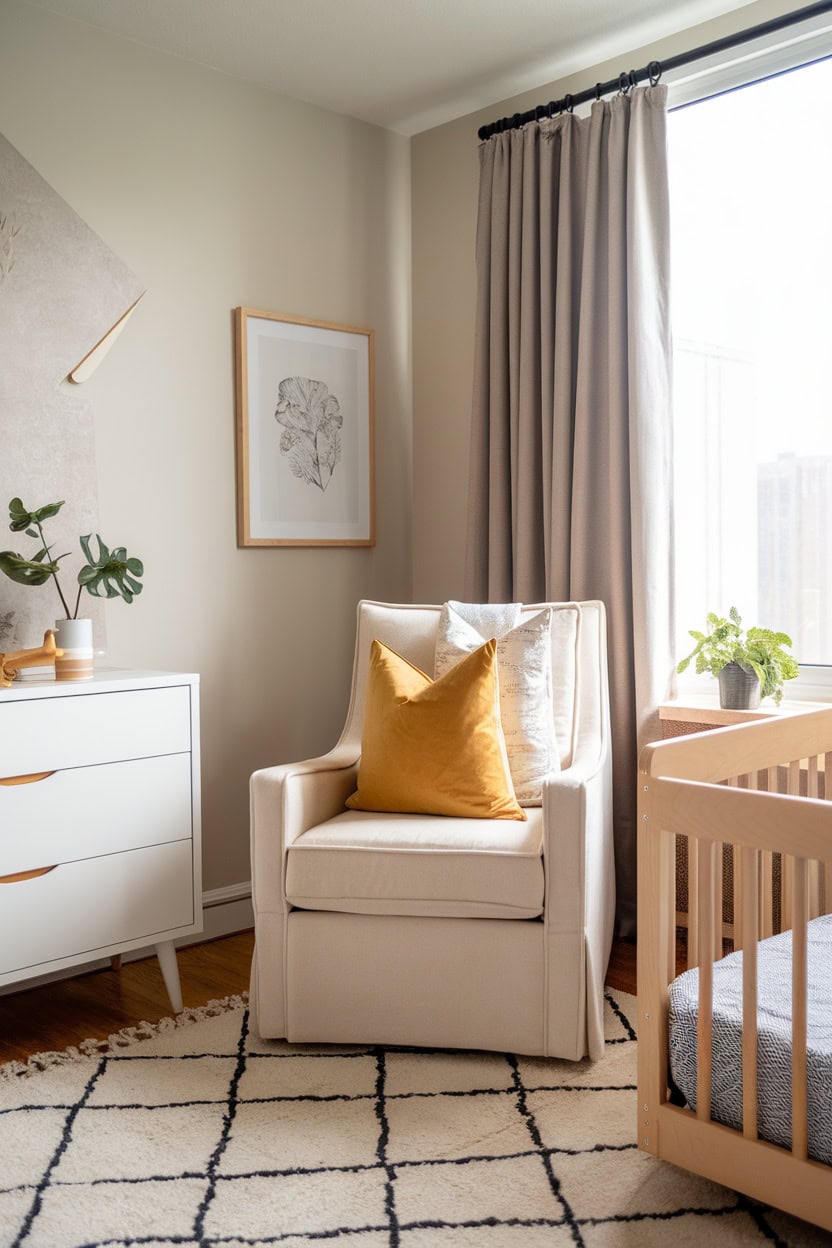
column 774, row 1040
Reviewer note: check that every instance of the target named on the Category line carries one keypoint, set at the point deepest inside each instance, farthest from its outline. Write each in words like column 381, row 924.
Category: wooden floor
column 621, row 972
column 96, row 1004
column 55, row 1016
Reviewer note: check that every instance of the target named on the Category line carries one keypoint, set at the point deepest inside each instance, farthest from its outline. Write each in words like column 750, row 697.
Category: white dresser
column 99, row 821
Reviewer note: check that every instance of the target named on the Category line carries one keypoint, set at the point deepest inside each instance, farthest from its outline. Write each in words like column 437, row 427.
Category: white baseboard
column 225, row 911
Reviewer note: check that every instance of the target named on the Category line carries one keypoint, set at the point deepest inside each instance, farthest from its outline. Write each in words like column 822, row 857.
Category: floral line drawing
column 8, row 233
column 6, row 625
column 312, row 420
column 304, row 400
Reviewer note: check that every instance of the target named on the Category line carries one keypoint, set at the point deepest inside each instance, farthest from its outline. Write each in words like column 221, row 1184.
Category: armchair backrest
column 578, row 660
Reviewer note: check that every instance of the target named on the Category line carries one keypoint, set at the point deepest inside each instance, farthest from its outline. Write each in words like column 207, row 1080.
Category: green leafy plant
column 758, row 650
column 109, row 574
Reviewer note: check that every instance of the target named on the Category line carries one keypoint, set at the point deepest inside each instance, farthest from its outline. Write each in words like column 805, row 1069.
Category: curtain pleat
column 571, row 433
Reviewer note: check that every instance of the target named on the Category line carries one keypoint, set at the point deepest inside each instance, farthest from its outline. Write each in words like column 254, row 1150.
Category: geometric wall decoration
column 64, row 296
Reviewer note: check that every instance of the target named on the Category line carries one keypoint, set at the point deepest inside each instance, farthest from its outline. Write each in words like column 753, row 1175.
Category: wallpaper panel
column 61, row 291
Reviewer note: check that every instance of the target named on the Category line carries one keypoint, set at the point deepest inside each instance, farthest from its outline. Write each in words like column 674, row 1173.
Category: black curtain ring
column 632, row 78
column 597, row 91
column 539, row 112
column 550, row 108
column 568, row 104
column 623, row 83
column 654, row 69
column 516, row 121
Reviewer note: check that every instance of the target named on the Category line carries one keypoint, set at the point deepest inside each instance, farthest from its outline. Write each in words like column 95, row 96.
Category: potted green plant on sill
column 109, row 574
column 749, row 665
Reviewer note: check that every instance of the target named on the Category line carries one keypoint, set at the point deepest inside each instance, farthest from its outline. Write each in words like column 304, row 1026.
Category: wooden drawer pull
column 32, row 779
column 19, row 876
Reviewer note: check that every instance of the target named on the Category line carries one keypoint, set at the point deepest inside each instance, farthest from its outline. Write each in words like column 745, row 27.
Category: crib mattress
column 774, row 1044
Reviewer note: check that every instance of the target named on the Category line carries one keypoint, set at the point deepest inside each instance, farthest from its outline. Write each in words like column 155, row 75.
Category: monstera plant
column 106, row 574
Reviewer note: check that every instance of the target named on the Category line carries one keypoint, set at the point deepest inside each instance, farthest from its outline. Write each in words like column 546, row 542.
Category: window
column 751, row 239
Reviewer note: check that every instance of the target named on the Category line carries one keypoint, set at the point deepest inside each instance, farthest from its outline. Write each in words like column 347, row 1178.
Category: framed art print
column 304, row 432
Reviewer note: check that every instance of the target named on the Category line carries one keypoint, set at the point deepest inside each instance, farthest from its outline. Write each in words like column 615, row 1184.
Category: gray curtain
column 570, row 486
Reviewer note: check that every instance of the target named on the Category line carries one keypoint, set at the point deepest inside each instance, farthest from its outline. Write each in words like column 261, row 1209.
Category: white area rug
column 204, row 1135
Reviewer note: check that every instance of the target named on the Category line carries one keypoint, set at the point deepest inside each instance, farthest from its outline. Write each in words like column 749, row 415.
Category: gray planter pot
column 738, row 690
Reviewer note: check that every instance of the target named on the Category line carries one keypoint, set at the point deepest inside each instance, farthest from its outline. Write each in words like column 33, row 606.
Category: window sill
column 705, row 709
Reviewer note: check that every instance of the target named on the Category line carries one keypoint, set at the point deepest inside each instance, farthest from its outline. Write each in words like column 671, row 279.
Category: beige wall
column 218, row 193
column 444, row 177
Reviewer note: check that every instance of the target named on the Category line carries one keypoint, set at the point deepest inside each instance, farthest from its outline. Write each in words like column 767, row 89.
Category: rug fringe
column 120, row 1039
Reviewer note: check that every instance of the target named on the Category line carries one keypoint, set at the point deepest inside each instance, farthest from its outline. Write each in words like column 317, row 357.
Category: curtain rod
column 652, row 72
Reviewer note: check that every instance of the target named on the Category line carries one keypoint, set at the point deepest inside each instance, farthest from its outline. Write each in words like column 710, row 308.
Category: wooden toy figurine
column 11, row 663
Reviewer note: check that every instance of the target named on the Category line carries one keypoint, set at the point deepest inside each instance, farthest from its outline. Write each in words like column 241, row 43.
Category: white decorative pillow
column 524, row 661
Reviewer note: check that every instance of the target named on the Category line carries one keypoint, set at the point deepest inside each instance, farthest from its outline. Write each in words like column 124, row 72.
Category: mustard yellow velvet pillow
column 434, row 747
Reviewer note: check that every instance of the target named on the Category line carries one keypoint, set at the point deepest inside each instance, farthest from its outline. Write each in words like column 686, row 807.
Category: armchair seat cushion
column 365, row 862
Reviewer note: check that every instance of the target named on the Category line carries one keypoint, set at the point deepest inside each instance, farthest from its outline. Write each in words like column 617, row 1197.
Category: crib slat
column 739, row 890
column 734, row 782
column 786, row 891
column 749, row 868
column 717, row 906
column 812, row 790
column 669, row 886
column 693, row 908
column 766, row 917
column 787, row 885
column 815, row 874
column 799, row 990
column 756, row 780
column 705, row 902
column 766, row 894
column 826, row 907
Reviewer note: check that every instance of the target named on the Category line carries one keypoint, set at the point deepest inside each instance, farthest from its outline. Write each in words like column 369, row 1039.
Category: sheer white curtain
column 570, row 485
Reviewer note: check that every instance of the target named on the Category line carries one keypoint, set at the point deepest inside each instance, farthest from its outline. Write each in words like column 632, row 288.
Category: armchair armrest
column 285, row 802
column 577, row 837
column 579, row 865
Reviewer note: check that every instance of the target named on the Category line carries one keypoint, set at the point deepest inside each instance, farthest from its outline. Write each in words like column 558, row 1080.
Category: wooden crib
column 761, row 789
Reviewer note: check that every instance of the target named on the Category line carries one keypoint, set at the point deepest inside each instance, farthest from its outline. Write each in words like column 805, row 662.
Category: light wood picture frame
column 305, row 461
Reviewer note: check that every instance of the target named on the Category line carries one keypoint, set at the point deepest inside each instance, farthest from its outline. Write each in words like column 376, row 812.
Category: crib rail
column 760, row 790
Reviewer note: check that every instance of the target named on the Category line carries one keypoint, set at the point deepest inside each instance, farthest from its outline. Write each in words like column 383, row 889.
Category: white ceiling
column 404, row 64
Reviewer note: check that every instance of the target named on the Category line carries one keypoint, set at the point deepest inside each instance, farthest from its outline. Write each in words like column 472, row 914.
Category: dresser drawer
column 82, row 907
column 53, row 733
column 90, row 811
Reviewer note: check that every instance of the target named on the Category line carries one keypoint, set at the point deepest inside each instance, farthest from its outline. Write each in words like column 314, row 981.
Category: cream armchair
column 431, row 931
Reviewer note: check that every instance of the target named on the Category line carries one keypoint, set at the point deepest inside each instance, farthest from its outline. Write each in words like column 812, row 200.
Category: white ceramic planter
column 74, row 637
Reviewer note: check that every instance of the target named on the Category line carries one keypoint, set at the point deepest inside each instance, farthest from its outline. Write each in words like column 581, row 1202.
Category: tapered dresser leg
column 166, row 953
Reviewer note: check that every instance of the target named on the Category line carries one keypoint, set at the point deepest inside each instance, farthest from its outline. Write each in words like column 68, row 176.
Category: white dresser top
column 104, row 680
